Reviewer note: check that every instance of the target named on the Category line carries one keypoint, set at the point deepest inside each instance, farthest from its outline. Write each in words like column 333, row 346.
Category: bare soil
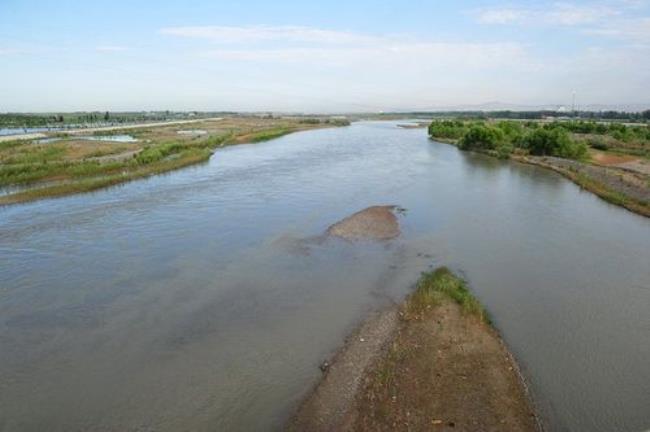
column 604, row 158
column 442, row 369
column 445, row 370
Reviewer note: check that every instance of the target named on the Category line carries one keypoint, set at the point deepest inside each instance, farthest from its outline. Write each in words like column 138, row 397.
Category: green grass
column 436, row 286
column 269, row 134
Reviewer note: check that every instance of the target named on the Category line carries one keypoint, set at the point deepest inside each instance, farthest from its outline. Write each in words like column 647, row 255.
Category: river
column 189, row 301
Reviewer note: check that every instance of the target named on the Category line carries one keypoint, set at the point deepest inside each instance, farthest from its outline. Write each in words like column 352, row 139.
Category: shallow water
column 48, row 140
column 20, row 131
column 187, row 301
column 111, row 138
column 192, row 132
column 114, row 138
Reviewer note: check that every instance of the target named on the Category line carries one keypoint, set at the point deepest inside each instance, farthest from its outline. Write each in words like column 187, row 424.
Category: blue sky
column 321, row 56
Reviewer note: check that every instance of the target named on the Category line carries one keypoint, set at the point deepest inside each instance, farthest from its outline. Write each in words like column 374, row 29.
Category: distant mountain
column 504, row 106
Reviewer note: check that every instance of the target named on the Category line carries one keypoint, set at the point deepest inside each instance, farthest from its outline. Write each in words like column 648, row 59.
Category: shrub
column 452, row 129
column 434, row 286
column 597, row 143
column 504, row 150
column 482, row 137
column 553, row 142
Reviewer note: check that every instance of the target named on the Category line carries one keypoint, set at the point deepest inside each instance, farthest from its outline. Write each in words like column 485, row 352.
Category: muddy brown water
column 181, row 302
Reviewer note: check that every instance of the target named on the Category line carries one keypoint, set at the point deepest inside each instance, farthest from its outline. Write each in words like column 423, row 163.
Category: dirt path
column 27, row 136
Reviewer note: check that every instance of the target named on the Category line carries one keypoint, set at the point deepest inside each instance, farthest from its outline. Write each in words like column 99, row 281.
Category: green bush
column 482, row 137
column 450, row 129
column 598, row 143
column 553, row 142
column 504, row 150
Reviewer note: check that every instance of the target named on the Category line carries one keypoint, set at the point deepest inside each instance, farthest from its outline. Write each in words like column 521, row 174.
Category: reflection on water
column 189, row 301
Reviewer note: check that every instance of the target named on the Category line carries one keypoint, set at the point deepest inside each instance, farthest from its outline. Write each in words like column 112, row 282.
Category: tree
column 107, row 116
column 553, row 142
column 482, row 137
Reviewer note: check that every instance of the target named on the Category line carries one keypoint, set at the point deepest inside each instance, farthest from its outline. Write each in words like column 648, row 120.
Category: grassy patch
column 186, row 158
column 434, row 287
column 269, row 134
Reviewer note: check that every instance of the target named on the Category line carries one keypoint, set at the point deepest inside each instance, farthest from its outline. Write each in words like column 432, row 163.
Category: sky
column 322, row 56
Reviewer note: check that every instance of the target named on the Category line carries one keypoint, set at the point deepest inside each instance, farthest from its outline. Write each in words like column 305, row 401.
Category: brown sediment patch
column 373, row 223
column 603, row 158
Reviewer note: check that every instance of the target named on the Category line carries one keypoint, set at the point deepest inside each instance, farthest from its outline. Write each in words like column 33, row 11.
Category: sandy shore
column 327, row 408
column 434, row 368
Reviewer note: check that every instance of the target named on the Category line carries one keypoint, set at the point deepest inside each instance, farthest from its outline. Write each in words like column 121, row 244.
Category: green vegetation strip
column 566, row 139
column 90, row 184
column 269, row 134
column 436, row 286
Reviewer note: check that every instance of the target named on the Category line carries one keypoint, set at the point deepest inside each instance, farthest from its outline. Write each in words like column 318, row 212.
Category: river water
column 188, row 301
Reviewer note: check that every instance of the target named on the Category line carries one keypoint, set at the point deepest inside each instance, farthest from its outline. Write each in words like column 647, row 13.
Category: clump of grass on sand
column 436, row 286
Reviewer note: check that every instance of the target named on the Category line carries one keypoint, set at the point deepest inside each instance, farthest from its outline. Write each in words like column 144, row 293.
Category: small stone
column 324, row 366
column 436, row 422
column 362, row 339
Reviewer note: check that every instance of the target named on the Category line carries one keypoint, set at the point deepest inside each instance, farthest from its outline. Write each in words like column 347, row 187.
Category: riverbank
column 71, row 164
column 619, row 185
column 433, row 363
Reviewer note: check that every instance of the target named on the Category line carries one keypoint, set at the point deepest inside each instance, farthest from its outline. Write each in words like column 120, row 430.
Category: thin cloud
column 398, row 56
column 349, row 50
column 110, row 48
column 8, row 51
column 500, row 16
column 560, row 14
column 232, row 34
column 634, row 29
